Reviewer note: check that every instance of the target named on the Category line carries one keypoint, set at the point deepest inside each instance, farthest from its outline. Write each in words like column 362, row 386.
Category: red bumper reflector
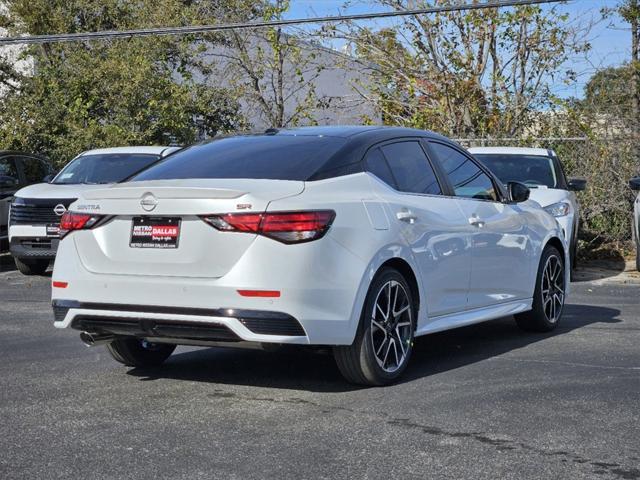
column 59, row 284
column 260, row 293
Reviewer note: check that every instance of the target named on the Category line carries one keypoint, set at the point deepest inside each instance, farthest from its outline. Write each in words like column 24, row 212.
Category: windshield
column 532, row 170
column 274, row 157
column 103, row 168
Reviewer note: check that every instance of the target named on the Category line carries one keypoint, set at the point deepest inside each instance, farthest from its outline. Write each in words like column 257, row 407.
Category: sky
column 610, row 39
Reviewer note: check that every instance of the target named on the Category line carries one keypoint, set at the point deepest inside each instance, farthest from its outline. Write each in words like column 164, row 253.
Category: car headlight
column 559, row 209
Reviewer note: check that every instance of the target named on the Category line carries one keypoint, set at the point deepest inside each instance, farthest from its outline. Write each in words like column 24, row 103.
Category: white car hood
column 548, row 196
column 50, row 190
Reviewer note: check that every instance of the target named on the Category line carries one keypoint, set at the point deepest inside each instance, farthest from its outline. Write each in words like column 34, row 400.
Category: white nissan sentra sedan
column 358, row 238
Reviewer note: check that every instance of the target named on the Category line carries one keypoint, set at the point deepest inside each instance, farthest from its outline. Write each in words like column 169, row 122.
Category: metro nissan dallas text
column 356, row 238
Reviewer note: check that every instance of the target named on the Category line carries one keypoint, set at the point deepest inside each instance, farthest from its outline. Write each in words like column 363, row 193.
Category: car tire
column 136, row 352
column 638, row 257
column 384, row 339
column 548, row 302
column 31, row 267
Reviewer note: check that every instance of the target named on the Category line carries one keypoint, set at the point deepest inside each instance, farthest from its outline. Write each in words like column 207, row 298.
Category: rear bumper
column 192, row 324
column 34, row 247
column 319, row 301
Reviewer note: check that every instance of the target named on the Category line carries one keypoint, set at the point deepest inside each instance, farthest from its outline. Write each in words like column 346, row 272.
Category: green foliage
column 472, row 73
column 607, row 164
column 609, row 92
column 107, row 93
column 629, row 10
column 608, row 158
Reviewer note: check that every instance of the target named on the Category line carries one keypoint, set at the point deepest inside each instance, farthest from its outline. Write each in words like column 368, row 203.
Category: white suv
column 541, row 171
column 35, row 211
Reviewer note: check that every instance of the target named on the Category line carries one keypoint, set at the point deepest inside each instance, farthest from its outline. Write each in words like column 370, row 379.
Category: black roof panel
column 304, row 153
column 346, row 131
column 343, row 131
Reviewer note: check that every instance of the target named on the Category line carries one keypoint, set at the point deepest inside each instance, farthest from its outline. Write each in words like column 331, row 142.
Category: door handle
column 406, row 216
column 476, row 221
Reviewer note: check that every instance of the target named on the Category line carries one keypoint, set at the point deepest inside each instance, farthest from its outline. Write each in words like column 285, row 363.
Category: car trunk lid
column 171, row 210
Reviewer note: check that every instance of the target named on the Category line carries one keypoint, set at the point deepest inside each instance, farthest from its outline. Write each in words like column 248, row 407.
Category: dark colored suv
column 18, row 170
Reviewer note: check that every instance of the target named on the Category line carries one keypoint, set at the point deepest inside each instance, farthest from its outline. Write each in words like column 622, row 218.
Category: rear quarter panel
column 362, row 227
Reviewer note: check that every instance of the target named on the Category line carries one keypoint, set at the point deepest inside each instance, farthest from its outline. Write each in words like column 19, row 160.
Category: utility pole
column 630, row 12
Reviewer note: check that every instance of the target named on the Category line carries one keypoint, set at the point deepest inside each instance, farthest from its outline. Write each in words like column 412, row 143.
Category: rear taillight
column 71, row 221
column 286, row 227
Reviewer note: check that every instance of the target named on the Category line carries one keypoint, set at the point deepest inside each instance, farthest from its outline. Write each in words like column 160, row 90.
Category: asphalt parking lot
column 481, row 402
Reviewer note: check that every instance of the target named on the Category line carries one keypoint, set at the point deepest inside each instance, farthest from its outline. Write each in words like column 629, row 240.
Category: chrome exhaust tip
column 93, row 339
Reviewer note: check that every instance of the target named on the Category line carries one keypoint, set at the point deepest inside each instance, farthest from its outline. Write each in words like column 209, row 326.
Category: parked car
column 540, row 170
column 17, row 170
column 36, row 210
column 634, row 183
column 359, row 238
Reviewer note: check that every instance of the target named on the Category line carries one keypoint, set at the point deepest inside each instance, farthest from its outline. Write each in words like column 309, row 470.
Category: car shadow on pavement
column 292, row 368
column 305, row 369
column 445, row 351
column 7, row 265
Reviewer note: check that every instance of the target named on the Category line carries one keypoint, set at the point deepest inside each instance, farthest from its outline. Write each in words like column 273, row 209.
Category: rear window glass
column 377, row 164
column 103, row 168
column 277, row 157
column 411, row 168
column 33, row 169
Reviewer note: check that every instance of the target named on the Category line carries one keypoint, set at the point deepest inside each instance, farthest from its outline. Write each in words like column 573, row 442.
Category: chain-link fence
column 607, row 164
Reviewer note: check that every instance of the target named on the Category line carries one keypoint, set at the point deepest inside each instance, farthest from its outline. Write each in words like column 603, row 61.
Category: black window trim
column 444, row 187
column 563, row 182
column 500, row 192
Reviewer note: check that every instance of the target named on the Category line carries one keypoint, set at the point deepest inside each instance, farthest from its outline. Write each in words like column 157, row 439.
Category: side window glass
column 467, row 178
column 411, row 168
column 377, row 164
column 34, row 170
column 8, row 172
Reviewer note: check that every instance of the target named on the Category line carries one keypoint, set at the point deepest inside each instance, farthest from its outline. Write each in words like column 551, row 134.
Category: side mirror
column 577, row 184
column 517, row 192
column 48, row 178
column 634, row 183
